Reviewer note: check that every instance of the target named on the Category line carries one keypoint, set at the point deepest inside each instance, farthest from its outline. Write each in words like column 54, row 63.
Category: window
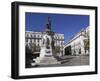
column 38, row 36
column 38, row 40
column 30, row 40
column 26, row 40
column 34, row 40
column 34, row 36
column 31, row 35
column 28, row 35
column 38, row 44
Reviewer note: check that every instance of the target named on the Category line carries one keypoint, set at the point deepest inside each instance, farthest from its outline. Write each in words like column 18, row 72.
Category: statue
column 47, row 47
column 47, row 43
column 48, row 23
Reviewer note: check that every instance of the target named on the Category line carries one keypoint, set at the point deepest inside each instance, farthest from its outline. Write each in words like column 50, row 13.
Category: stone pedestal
column 46, row 61
column 46, row 54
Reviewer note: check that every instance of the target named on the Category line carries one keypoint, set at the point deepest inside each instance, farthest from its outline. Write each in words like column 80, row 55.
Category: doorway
column 68, row 50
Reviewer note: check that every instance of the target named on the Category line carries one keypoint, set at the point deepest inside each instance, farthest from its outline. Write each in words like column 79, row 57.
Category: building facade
column 78, row 44
column 33, row 39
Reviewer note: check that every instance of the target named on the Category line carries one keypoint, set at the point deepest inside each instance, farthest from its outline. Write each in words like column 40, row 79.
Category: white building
column 32, row 37
column 79, row 44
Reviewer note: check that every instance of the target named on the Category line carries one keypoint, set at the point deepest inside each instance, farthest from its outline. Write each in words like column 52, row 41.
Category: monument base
column 46, row 61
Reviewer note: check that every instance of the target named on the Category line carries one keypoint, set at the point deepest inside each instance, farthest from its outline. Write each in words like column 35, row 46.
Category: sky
column 66, row 24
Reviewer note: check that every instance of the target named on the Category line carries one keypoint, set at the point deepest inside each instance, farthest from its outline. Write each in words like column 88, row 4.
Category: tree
column 57, row 49
column 28, row 56
column 33, row 47
column 86, row 44
column 28, row 51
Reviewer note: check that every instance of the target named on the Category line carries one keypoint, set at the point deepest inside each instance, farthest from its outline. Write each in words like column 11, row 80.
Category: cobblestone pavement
column 69, row 61
column 75, row 60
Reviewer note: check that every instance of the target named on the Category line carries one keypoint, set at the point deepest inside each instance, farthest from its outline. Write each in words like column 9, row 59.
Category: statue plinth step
column 46, row 61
